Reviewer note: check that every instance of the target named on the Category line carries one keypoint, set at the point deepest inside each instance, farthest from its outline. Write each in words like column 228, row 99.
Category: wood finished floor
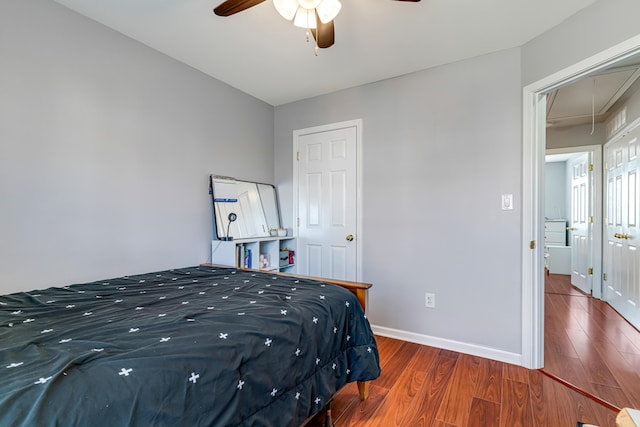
column 586, row 343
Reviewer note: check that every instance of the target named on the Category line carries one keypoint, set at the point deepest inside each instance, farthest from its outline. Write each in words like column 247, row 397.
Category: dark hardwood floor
column 586, row 343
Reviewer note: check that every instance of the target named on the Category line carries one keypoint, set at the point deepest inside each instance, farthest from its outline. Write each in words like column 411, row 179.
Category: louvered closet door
column 327, row 204
column 622, row 236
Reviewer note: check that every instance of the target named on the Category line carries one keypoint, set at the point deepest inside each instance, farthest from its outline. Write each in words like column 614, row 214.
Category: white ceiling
column 264, row 55
column 591, row 99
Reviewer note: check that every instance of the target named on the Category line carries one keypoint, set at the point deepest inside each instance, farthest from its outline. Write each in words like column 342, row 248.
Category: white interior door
column 622, row 236
column 579, row 222
column 327, row 202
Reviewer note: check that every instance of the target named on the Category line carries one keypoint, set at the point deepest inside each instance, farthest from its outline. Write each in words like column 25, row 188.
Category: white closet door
column 327, row 204
column 622, row 235
column 579, row 226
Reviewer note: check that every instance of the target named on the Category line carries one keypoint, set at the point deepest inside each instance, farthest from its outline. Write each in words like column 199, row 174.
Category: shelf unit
column 247, row 253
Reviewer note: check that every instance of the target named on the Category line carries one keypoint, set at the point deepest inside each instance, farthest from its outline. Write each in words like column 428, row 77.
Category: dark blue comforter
column 197, row 346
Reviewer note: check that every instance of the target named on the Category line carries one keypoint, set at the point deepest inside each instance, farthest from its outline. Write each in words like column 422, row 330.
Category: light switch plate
column 507, row 202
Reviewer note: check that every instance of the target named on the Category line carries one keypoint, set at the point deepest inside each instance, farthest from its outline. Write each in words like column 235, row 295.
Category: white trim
column 597, row 191
column 460, row 347
column 623, row 132
column 569, row 150
column 534, row 107
column 357, row 123
column 533, row 143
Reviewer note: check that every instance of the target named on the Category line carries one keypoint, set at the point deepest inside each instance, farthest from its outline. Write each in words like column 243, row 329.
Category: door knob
column 571, row 228
column 622, row 236
column 350, row 237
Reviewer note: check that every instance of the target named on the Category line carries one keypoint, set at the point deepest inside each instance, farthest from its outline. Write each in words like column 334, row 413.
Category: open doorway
column 573, row 216
column 588, row 345
column 534, row 145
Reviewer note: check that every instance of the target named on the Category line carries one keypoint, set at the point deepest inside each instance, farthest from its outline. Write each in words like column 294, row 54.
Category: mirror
column 255, row 205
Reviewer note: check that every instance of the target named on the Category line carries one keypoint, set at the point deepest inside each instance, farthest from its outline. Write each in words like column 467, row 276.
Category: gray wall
column 576, row 136
column 590, row 31
column 445, row 143
column 451, row 139
column 105, row 150
column 555, row 190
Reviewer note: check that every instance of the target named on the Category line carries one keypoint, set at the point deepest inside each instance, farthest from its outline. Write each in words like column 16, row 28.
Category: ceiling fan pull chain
column 308, row 26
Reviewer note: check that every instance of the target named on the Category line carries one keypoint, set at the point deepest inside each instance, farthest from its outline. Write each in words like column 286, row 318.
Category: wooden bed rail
column 358, row 288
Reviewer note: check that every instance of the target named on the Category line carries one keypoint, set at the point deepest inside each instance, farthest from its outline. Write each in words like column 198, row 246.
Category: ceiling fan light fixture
column 309, row 4
column 286, row 8
column 328, row 10
column 316, row 16
column 305, row 18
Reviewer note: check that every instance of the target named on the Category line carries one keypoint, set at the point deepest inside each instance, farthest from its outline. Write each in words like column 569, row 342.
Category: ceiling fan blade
column 230, row 7
column 324, row 33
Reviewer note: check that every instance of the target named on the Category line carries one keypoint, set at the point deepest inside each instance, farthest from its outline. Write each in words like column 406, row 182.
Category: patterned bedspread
column 199, row 346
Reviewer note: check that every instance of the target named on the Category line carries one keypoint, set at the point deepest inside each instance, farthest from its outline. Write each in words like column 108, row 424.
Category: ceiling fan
column 314, row 15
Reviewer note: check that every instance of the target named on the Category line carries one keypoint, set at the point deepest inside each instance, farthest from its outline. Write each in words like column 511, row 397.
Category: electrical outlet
column 430, row 300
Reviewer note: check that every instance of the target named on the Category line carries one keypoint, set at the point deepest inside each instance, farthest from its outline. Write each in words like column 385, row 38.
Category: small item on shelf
column 291, row 257
column 278, row 232
column 264, row 261
column 232, row 217
column 239, row 255
column 284, row 258
column 247, row 258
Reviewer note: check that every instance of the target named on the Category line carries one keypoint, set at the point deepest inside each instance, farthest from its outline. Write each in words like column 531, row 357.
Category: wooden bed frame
column 360, row 289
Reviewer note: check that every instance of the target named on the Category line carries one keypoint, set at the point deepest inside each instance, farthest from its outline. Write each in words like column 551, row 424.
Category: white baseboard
column 460, row 347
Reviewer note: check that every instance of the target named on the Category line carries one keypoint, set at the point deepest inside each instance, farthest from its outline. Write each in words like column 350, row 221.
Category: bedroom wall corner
column 105, row 150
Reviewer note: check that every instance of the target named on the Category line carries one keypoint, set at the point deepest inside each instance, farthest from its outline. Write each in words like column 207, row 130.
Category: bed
column 198, row 346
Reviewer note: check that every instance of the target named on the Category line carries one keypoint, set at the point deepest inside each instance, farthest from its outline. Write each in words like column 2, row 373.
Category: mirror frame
column 260, row 191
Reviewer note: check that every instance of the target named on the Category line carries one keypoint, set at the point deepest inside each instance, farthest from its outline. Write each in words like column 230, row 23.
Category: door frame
column 596, row 190
column 297, row 134
column 533, row 152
